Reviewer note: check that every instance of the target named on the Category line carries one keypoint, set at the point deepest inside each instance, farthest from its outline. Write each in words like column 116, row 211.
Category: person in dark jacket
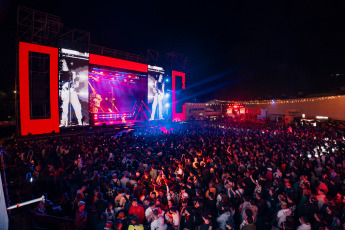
column 187, row 220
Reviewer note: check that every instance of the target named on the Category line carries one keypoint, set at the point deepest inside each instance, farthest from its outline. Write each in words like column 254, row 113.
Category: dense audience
column 234, row 174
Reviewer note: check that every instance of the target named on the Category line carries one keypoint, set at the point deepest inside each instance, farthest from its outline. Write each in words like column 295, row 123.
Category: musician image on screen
column 69, row 95
column 95, row 103
column 158, row 95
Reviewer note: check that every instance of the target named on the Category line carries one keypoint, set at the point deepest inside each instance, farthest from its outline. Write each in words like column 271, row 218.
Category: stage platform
column 106, row 127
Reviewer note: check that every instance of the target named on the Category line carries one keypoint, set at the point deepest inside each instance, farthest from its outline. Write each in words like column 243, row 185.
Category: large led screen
column 73, row 88
column 157, row 95
column 116, row 95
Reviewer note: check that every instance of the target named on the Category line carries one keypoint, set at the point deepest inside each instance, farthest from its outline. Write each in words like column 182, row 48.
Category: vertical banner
column 73, row 88
column 37, row 126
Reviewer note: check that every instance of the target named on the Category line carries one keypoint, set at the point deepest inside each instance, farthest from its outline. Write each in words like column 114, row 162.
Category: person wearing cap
column 138, row 210
column 81, row 216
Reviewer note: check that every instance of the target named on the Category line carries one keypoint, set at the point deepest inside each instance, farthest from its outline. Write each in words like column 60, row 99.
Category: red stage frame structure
column 38, row 126
column 177, row 116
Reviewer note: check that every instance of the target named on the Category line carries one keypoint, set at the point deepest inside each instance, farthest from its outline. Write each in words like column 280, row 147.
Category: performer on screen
column 158, row 95
column 70, row 82
column 96, row 100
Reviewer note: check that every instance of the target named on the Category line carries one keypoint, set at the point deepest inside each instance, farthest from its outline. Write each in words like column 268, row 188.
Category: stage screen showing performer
column 157, row 99
column 117, row 95
column 73, row 88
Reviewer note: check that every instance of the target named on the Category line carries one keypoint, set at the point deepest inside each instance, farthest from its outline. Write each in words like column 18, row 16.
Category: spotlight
column 31, row 180
column 167, row 105
column 167, row 95
column 167, row 80
column 273, row 102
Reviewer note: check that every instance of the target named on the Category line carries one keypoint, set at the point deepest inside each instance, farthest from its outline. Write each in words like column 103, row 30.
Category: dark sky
column 241, row 49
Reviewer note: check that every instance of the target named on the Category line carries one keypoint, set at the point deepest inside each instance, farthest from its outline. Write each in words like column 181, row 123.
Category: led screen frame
column 99, row 60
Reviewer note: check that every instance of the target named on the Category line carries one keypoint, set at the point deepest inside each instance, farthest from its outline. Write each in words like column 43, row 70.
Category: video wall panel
column 157, row 96
column 73, row 88
column 116, row 94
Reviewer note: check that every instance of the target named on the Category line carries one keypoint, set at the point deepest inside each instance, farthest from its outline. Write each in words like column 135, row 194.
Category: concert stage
column 62, row 86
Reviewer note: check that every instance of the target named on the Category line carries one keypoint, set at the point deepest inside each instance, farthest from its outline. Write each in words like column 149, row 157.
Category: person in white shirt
column 305, row 225
column 283, row 213
column 223, row 218
column 173, row 218
column 149, row 212
column 158, row 222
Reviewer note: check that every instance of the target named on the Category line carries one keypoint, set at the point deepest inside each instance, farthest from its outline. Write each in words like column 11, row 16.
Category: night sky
column 245, row 49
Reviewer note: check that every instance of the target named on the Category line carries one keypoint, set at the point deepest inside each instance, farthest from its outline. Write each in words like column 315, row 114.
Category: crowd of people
column 235, row 174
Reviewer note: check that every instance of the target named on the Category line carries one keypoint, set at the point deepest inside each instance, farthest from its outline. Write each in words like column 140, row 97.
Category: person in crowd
column 80, row 216
column 305, row 225
column 172, row 218
column 134, row 224
column 158, row 221
column 103, row 220
column 231, row 174
column 138, row 210
column 249, row 224
column 283, row 213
